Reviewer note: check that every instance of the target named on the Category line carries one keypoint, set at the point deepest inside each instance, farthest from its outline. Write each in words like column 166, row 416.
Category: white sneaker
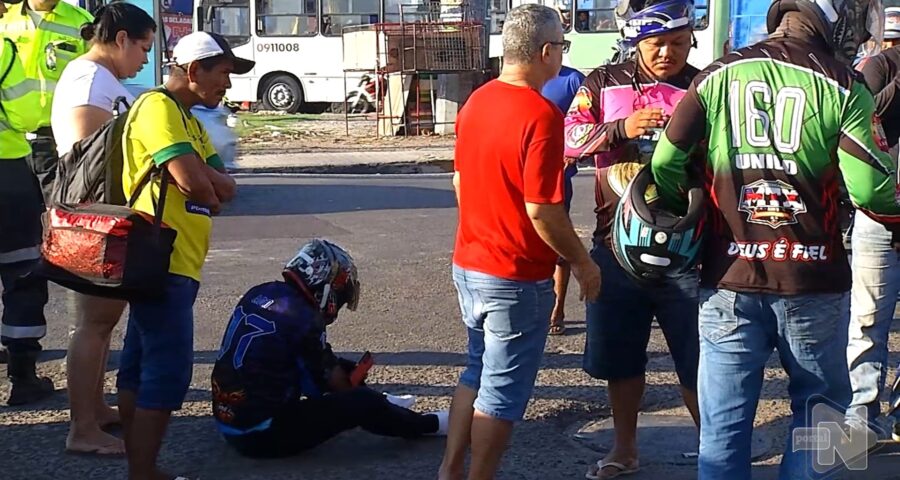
column 443, row 423
column 405, row 401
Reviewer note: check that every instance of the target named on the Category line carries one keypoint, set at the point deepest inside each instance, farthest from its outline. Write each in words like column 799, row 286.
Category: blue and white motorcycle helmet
column 650, row 243
column 656, row 19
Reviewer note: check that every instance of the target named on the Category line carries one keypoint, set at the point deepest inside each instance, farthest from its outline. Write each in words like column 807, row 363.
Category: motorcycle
column 362, row 99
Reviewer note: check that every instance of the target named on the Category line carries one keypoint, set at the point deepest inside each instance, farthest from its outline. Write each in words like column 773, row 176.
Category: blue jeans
column 507, row 325
column 876, row 282
column 157, row 359
column 737, row 335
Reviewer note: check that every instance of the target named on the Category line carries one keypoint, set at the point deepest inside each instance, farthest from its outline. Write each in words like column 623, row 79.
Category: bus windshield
column 231, row 19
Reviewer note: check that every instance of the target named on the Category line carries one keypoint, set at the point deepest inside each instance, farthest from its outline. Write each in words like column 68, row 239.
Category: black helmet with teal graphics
column 650, row 243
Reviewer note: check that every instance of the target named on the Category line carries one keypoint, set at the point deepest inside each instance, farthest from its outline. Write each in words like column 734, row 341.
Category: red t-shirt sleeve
column 543, row 173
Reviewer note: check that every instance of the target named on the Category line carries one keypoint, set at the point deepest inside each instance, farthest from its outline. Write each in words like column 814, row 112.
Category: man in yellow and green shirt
column 23, row 323
column 161, row 134
column 47, row 34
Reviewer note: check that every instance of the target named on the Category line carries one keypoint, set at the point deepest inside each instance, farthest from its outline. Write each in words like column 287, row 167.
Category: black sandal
column 558, row 328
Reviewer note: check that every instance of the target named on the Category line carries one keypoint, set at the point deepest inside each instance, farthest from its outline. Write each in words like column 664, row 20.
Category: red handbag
column 108, row 250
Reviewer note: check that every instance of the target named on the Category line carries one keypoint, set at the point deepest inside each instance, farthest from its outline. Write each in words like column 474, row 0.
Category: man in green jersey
column 785, row 120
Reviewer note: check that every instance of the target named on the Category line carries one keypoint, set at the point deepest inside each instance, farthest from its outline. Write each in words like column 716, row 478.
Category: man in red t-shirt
column 512, row 228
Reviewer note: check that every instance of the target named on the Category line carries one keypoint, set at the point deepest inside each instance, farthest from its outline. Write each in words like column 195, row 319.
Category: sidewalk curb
column 425, row 166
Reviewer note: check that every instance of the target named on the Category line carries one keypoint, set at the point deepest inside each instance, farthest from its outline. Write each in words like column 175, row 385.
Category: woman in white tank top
column 121, row 37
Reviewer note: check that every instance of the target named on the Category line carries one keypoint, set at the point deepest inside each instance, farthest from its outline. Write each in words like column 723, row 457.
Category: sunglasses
column 565, row 44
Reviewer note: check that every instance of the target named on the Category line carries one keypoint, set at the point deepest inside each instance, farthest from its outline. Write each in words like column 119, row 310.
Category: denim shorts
column 507, row 323
column 157, row 360
column 619, row 323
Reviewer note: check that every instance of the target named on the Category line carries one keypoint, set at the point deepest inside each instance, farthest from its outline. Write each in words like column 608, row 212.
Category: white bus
column 296, row 45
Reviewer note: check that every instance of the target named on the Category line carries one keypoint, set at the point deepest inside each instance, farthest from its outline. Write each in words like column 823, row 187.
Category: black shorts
column 619, row 324
column 21, row 207
column 43, row 161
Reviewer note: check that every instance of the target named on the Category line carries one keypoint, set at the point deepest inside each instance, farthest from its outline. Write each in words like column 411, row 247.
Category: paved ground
column 401, row 232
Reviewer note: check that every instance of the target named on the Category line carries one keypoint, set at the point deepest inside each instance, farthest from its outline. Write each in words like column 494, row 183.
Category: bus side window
column 595, row 16
column 497, row 11
column 287, row 18
column 338, row 14
column 413, row 11
column 232, row 21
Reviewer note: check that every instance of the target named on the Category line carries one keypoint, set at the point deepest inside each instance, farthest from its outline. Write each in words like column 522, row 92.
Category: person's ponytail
column 112, row 18
column 87, row 32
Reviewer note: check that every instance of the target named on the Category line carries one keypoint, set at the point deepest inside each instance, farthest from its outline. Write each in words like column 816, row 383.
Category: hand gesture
column 643, row 120
column 588, row 275
column 339, row 380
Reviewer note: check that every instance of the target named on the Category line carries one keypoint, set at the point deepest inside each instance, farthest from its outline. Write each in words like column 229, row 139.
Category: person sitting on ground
column 277, row 387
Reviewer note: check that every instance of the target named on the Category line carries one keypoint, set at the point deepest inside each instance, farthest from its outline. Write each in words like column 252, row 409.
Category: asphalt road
column 400, row 230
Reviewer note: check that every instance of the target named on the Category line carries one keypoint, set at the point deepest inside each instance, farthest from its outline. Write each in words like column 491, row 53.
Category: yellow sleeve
column 21, row 102
column 159, row 126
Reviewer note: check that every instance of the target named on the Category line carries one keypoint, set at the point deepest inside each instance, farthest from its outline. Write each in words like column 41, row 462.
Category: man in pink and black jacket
column 617, row 116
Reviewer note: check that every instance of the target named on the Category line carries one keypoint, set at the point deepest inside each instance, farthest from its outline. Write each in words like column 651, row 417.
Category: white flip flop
column 622, row 470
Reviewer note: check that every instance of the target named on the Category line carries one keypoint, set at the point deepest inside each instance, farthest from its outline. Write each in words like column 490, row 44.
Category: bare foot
column 157, row 474
column 95, row 442
column 447, row 475
column 108, row 416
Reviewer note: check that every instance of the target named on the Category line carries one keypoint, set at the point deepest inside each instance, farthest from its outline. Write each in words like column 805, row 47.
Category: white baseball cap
column 200, row 45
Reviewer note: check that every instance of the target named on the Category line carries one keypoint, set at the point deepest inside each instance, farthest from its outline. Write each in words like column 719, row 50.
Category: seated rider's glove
column 347, row 365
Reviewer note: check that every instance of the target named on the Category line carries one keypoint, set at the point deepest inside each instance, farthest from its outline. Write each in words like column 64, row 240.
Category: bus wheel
column 282, row 93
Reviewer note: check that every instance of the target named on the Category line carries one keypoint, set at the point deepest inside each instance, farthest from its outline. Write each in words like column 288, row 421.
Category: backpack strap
column 160, row 204
column 12, row 61
column 12, row 47
column 120, row 100
column 145, row 180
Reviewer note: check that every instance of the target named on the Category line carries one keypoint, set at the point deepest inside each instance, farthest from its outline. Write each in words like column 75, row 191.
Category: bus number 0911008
column 277, row 47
